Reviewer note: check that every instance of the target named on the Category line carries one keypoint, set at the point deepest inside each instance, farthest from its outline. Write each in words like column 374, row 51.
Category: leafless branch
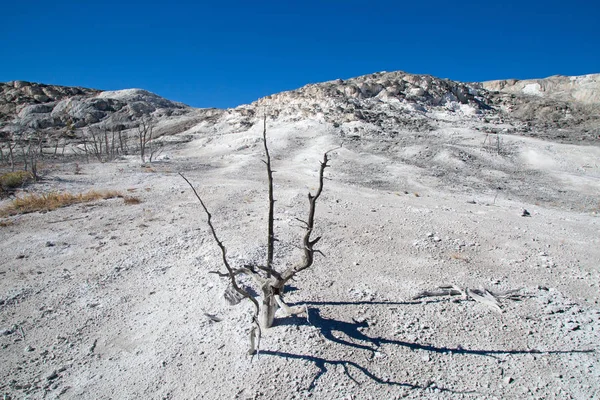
column 271, row 233
column 308, row 244
column 230, row 271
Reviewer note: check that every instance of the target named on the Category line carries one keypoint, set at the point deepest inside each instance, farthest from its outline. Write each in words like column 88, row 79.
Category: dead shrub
column 131, row 200
column 6, row 222
column 51, row 201
column 13, row 180
column 459, row 256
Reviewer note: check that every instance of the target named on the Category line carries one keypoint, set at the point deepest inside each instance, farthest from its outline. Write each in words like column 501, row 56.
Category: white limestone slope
column 584, row 89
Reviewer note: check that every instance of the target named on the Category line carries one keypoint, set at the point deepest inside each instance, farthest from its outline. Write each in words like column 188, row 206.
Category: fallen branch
column 486, row 297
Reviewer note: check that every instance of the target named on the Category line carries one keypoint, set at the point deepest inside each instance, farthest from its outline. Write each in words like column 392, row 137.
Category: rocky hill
column 393, row 102
column 27, row 107
column 584, row 89
column 381, row 104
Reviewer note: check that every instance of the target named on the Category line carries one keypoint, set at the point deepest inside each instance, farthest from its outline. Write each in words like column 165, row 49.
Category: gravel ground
column 114, row 300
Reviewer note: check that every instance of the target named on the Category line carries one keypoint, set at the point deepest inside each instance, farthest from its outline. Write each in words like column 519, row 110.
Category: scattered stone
column 213, row 317
column 525, row 213
column 52, row 375
column 7, row 331
column 572, row 326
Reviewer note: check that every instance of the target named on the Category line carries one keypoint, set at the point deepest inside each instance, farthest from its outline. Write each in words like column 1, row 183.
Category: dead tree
column 117, row 124
column 95, row 147
column 144, row 129
column 12, row 145
column 270, row 281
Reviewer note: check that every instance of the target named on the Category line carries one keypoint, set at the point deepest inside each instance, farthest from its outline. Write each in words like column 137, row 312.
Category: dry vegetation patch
column 51, row 201
column 131, row 200
column 13, row 180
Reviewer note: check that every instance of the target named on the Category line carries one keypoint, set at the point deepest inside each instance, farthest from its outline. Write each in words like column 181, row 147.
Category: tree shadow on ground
column 322, row 364
column 353, row 330
column 328, row 327
column 370, row 302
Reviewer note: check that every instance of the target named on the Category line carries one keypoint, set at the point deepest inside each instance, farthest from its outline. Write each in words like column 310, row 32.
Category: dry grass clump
column 132, row 200
column 51, row 201
column 13, row 180
column 459, row 256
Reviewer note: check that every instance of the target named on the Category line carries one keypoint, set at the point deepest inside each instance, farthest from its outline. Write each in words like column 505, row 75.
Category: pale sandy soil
column 108, row 300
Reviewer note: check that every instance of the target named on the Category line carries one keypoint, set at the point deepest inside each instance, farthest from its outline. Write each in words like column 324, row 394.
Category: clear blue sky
column 226, row 53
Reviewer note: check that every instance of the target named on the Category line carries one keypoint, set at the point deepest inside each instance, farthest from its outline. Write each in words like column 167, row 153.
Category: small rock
column 430, row 235
column 6, row 332
column 508, row 380
column 525, row 213
column 572, row 326
column 437, row 239
column 52, row 375
column 49, row 244
column 29, row 349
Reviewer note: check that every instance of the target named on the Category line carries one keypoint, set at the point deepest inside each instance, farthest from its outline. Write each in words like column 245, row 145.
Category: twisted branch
column 230, row 271
column 307, row 242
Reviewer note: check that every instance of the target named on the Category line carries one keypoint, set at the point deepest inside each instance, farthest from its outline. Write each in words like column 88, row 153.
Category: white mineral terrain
column 486, row 186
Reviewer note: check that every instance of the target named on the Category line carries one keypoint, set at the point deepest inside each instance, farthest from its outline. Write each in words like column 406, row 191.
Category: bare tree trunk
column 268, row 308
column 25, row 153
column 85, row 149
column 96, row 144
column 106, row 147
column 11, row 155
column 33, row 162
column 150, row 145
column 271, row 231
column 498, row 143
column 145, row 136
column 142, row 139
column 40, row 143
column 112, row 145
column 121, row 142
